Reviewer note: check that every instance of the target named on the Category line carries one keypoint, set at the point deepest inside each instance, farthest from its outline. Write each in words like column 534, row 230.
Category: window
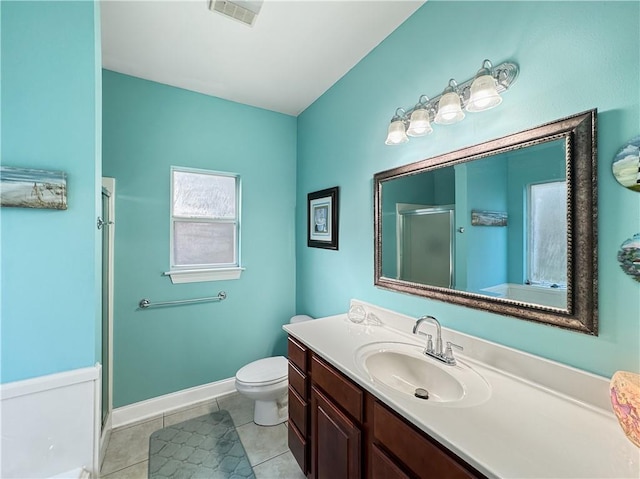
column 547, row 233
column 205, row 225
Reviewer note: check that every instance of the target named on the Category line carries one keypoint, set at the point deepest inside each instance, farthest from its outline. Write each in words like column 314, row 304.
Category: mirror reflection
column 496, row 226
column 507, row 226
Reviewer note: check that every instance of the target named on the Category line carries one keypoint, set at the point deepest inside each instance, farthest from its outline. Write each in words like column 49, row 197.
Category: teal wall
column 485, row 246
column 148, row 127
column 573, row 56
column 50, row 285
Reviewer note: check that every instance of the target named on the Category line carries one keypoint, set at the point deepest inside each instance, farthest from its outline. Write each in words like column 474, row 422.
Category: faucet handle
column 448, row 353
column 429, row 348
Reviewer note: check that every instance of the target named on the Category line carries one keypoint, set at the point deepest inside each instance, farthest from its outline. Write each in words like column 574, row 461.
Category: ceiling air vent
column 241, row 10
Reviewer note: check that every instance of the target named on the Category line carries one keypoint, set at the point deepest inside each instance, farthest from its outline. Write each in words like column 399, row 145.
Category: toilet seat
column 264, row 372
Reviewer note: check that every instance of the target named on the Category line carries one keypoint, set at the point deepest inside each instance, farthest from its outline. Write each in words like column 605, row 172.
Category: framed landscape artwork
column 27, row 188
column 322, row 219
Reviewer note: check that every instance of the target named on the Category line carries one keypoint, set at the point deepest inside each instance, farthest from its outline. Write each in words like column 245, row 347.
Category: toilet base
column 271, row 413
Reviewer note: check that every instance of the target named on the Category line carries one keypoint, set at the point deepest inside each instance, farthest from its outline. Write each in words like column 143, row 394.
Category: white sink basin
column 403, row 368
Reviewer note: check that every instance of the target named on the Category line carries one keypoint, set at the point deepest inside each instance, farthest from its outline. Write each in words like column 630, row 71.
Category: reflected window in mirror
column 547, row 234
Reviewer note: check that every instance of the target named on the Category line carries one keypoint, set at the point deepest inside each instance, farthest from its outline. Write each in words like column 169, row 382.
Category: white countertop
column 542, row 419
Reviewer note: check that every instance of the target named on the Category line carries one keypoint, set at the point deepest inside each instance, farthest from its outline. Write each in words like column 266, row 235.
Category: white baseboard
column 152, row 408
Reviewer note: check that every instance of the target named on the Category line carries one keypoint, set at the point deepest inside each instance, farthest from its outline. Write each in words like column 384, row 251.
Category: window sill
column 202, row 275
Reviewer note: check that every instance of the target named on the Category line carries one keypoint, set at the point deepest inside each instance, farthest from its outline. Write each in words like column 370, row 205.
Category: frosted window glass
column 198, row 195
column 203, row 243
column 548, row 233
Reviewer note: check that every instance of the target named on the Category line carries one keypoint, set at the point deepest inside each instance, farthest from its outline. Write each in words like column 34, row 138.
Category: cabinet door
column 383, row 467
column 335, row 441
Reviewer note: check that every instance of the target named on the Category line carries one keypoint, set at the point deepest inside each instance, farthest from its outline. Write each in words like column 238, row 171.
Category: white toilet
column 265, row 381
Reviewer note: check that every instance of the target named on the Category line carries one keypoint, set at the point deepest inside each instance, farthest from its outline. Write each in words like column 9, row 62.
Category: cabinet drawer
column 297, row 380
column 297, row 354
column 298, row 447
column 341, row 390
column 412, row 448
column 298, row 411
column 383, row 467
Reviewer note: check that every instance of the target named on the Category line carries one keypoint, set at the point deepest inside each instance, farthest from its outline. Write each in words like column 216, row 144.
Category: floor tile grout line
column 271, row 458
column 123, row 468
column 266, row 460
column 119, row 430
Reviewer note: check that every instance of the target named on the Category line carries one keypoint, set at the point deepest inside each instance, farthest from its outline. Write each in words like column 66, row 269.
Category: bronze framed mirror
column 507, row 226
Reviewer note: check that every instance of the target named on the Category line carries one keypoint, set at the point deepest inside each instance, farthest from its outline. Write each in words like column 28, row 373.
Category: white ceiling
column 295, row 51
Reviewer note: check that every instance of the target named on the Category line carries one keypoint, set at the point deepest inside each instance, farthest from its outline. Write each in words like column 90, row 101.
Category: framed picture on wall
column 322, row 219
column 28, row 188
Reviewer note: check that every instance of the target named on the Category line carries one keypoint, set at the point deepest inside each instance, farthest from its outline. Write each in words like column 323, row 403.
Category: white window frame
column 529, row 238
column 204, row 272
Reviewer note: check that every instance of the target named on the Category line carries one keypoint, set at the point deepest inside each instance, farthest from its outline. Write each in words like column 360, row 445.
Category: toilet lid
column 267, row 370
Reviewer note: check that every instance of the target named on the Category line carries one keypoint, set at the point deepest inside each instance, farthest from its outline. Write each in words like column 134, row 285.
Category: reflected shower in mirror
column 506, row 226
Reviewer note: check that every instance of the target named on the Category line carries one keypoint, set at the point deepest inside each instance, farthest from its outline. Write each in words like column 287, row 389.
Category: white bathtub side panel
column 546, row 296
column 48, row 432
column 556, row 298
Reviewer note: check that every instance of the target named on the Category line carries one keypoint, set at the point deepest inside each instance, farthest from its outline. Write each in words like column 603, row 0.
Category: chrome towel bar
column 146, row 303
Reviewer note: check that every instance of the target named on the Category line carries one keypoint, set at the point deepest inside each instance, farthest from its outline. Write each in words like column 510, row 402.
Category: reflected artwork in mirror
column 507, row 226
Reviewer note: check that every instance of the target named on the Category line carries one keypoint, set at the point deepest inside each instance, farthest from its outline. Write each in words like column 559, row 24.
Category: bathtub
column 527, row 293
column 50, row 426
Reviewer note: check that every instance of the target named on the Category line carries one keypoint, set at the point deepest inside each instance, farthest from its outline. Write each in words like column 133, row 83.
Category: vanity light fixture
column 480, row 93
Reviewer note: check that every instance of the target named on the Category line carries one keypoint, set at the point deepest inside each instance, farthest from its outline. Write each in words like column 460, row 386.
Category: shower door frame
column 109, row 185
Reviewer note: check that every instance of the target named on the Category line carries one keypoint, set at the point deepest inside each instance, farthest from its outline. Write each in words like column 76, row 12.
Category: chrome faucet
column 437, row 353
column 430, row 319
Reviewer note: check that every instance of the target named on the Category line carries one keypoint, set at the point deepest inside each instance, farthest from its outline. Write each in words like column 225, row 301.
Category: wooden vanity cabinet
column 339, row 431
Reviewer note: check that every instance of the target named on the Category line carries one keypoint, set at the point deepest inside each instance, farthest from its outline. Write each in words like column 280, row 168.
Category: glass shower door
column 426, row 246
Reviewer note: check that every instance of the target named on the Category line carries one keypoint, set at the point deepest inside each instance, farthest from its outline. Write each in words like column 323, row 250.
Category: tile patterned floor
column 127, row 455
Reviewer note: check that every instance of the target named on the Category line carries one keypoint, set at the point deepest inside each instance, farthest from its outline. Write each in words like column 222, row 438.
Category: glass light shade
column 419, row 124
column 449, row 109
column 397, row 134
column 484, row 94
